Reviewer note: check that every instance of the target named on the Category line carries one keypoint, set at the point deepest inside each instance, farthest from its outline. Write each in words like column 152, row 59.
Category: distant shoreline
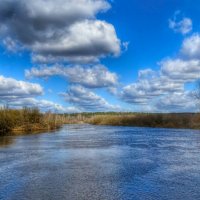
column 175, row 120
column 32, row 120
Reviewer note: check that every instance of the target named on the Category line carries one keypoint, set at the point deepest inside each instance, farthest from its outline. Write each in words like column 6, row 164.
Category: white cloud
column 182, row 26
column 53, row 12
column 87, row 38
column 10, row 87
column 146, row 73
column 180, row 70
column 17, row 94
column 177, row 102
column 165, row 92
column 43, row 105
column 163, row 85
column 96, row 76
column 49, row 59
column 146, row 89
column 191, row 47
column 87, row 100
column 62, row 30
column 43, row 18
column 165, row 89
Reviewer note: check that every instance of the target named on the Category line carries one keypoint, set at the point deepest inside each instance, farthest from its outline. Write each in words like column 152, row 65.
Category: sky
column 100, row 55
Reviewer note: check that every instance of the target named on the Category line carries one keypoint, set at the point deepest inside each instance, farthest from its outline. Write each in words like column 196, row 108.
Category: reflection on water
column 83, row 162
column 6, row 141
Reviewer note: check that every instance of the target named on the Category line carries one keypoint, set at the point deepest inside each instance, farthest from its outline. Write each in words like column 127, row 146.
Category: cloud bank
column 165, row 90
column 61, row 31
column 96, row 76
column 18, row 94
column 87, row 100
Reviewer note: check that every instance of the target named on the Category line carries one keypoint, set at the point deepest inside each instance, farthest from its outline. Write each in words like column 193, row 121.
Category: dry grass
column 28, row 120
column 148, row 120
column 32, row 120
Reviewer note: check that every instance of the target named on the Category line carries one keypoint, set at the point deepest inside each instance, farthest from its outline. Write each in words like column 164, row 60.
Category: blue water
column 84, row 162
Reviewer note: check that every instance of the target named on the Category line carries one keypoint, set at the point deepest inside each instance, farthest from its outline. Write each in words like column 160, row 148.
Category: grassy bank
column 173, row 120
column 185, row 120
column 28, row 120
column 32, row 120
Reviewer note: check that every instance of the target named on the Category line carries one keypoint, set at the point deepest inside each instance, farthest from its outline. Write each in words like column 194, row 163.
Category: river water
column 85, row 162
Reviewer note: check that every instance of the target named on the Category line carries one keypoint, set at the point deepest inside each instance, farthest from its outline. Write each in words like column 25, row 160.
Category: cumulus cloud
column 160, row 94
column 49, row 59
column 10, row 87
column 63, row 30
column 17, row 94
column 43, row 105
column 145, row 89
column 43, row 18
column 88, row 39
column 96, row 76
column 177, row 102
column 182, row 26
column 146, row 73
column 87, row 100
column 191, row 47
column 165, row 89
column 180, row 70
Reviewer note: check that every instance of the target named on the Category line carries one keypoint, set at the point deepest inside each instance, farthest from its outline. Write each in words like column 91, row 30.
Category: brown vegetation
column 32, row 120
column 181, row 120
column 28, row 120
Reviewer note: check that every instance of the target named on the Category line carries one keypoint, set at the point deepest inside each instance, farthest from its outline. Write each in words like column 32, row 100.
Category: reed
column 174, row 120
column 28, row 120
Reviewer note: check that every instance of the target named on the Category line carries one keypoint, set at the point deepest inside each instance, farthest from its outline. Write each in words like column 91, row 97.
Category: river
column 85, row 162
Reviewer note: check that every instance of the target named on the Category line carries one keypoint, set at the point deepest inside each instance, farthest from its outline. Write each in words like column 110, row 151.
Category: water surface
column 84, row 162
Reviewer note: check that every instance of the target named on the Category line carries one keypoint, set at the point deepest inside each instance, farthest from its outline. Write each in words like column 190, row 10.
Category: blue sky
column 100, row 55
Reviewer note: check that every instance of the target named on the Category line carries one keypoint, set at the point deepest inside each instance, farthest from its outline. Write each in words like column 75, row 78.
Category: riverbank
column 28, row 120
column 156, row 120
column 32, row 120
